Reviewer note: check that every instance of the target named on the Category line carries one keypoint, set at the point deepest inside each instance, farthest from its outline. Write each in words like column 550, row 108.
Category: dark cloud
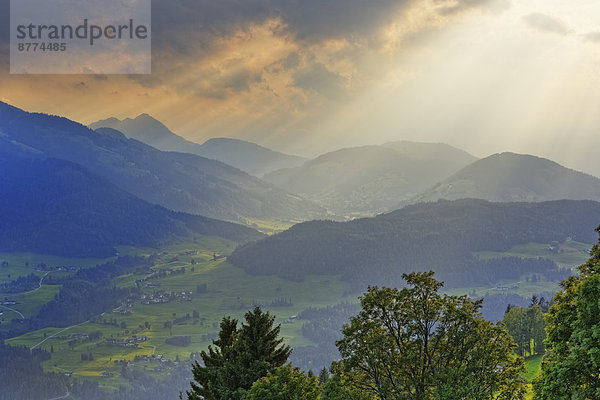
column 4, row 35
column 291, row 61
column 462, row 5
column 318, row 78
column 545, row 23
column 236, row 80
column 308, row 20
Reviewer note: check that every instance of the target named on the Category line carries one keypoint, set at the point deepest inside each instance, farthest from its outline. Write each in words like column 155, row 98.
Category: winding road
column 31, row 291
column 40, row 285
column 57, row 333
column 61, row 397
column 13, row 310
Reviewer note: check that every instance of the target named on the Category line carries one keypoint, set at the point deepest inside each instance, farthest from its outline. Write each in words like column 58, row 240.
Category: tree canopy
column 239, row 357
column 571, row 369
column 286, row 383
column 416, row 343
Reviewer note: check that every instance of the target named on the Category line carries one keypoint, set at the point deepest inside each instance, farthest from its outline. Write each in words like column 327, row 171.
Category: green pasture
column 230, row 292
column 571, row 253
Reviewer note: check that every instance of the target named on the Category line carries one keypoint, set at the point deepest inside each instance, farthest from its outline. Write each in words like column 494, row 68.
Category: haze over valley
column 341, row 200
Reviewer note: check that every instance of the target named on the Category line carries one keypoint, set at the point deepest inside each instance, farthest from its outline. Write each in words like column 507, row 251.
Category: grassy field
column 571, row 253
column 230, row 292
column 20, row 264
column 533, row 365
column 269, row 227
column 523, row 287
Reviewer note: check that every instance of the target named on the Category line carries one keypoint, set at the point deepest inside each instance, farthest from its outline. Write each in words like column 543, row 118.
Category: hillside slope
column 52, row 206
column 515, row 177
column 438, row 236
column 178, row 181
column 371, row 179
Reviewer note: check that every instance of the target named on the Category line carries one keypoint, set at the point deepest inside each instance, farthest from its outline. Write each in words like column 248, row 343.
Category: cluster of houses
column 505, row 288
column 80, row 336
column 165, row 297
column 45, row 268
column 129, row 342
column 147, row 358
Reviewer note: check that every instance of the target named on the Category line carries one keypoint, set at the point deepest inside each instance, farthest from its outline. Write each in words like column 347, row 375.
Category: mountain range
column 367, row 180
column 371, row 179
column 250, row 157
column 177, row 181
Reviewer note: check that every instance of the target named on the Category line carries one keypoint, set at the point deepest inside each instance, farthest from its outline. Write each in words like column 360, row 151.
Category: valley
column 179, row 303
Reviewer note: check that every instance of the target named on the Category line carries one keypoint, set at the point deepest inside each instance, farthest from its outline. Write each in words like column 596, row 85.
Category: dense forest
column 84, row 215
column 440, row 236
column 22, row 376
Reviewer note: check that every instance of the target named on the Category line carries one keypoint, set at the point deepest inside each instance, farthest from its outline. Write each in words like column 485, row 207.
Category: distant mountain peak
column 247, row 156
column 511, row 176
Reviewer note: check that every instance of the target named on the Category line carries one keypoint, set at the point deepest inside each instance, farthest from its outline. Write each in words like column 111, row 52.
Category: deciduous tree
column 286, row 383
column 418, row 344
column 571, row 369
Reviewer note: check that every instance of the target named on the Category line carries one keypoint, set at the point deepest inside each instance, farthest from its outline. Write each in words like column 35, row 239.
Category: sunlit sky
column 311, row 76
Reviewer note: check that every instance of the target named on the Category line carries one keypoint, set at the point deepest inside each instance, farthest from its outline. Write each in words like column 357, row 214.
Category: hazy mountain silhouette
column 178, row 181
column 371, row 178
column 515, row 177
column 250, row 157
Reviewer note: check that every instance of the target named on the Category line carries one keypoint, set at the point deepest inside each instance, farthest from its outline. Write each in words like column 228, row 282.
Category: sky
column 310, row 76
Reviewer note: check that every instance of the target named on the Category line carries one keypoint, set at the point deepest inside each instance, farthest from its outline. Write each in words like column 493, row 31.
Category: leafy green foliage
column 286, row 383
column 240, row 356
column 570, row 369
column 339, row 386
column 527, row 327
column 417, row 344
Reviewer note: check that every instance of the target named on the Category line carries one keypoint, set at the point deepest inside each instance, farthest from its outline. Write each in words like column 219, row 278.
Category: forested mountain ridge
column 53, row 206
column 439, row 236
column 178, row 181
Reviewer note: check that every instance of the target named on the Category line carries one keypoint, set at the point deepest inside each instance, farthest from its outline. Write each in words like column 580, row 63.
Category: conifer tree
column 239, row 357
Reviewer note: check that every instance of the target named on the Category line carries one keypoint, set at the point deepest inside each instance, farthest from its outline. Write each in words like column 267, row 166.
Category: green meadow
column 218, row 289
column 229, row 292
column 571, row 253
